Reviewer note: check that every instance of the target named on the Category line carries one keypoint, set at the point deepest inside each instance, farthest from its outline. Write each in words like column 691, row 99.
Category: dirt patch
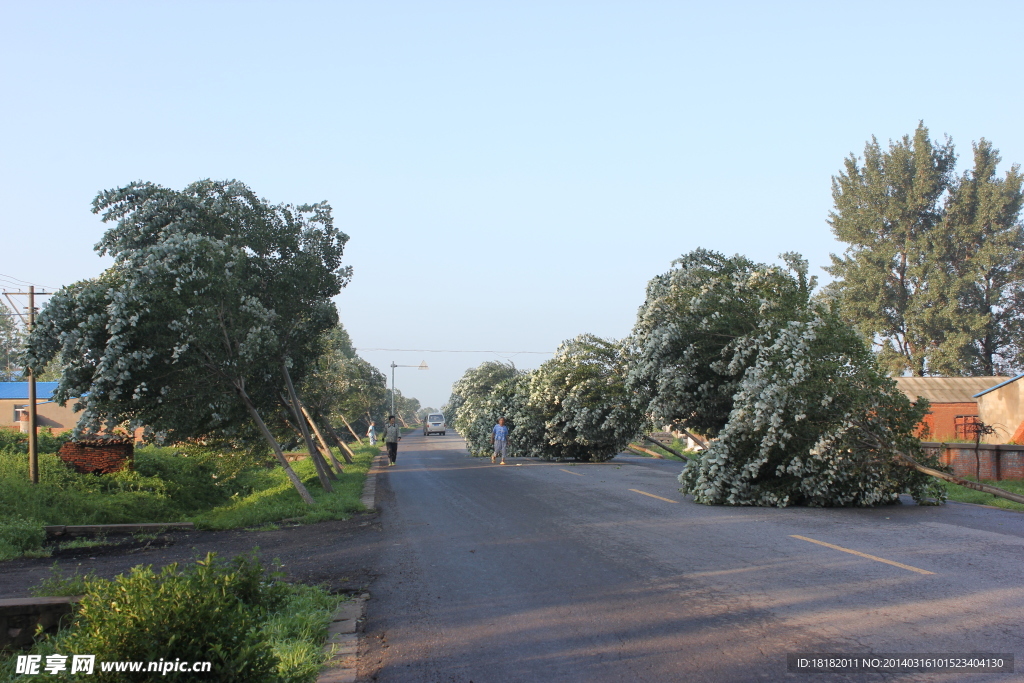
column 340, row 555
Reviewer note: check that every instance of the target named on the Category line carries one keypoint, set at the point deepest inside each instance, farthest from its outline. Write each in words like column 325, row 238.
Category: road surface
column 603, row 572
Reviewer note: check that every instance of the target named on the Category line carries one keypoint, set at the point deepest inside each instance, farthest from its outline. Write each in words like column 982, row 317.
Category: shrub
column 19, row 535
column 249, row 624
column 208, row 611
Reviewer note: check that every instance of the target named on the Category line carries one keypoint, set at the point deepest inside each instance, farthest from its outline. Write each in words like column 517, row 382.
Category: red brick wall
column 99, row 456
column 997, row 461
column 940, row 420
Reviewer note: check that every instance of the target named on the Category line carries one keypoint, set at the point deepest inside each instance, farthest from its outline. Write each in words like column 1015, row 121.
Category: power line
column 20, row 283
column 454, row 351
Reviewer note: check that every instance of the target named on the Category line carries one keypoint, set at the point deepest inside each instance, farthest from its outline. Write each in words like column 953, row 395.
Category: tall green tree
column 887, row 209
column 983, row 251
column 933, row 269
column 341, row 384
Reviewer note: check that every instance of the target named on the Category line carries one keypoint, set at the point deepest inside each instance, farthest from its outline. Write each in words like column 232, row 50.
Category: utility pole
column 33, row 441
column 33, row 437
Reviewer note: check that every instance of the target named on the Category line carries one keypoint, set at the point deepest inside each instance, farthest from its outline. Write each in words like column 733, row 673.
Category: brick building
column 954, row 406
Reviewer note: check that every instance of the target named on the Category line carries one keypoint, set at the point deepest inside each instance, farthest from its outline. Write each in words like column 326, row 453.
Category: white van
column 434, row 424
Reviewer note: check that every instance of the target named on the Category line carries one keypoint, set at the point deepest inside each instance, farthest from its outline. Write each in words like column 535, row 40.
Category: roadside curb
column 369, row 497
column 342, row 645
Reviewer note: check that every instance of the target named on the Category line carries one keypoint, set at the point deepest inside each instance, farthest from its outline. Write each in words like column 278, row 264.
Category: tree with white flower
column 212, row 296
column 813, row 422
column 580, row 395
column 687, row 350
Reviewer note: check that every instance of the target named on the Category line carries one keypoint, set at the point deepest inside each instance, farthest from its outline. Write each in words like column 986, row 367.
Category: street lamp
column 421, row 366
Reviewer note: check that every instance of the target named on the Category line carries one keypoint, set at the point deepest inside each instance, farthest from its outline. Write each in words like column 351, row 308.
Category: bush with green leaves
column 19, row 535
column 47, row 442
column 167, row 486
column 249, row 624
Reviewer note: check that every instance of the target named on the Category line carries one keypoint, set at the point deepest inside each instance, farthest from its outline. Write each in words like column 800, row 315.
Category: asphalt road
column 573, row 572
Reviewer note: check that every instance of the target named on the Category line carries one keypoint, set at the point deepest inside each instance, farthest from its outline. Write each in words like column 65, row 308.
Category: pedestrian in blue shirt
column 499, row 439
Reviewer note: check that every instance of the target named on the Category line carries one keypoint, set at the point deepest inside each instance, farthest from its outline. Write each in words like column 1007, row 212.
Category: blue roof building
column 18, row 391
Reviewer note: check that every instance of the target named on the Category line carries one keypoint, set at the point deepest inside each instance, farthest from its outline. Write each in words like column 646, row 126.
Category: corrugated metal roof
column 946, row 389
column 18, row 391
column 1002, row 384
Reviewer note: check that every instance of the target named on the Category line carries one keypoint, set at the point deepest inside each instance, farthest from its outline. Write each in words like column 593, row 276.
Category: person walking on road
column 499, row 439
column 371, row 433
column 392, row 435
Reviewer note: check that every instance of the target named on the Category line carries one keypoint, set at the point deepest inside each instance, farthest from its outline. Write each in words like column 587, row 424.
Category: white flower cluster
column 573, row 406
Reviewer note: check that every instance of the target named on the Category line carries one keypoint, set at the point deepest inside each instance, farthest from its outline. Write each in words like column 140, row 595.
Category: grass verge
column 277, row 500
column 167, row 485
column 963, row 494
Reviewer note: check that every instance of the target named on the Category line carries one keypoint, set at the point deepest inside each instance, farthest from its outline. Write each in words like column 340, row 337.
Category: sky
column 511, row 174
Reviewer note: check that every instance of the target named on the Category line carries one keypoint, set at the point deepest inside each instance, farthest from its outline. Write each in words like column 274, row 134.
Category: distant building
column 1002, row 408
column 954, row 406
column 14, row 407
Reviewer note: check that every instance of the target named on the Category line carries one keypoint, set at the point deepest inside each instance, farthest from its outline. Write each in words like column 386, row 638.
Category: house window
column 20, row 410
column 965, row 426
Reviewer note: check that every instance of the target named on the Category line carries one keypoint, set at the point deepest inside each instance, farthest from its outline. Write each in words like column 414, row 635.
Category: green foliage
column 296, row 631
column 19, row 535
column 507, row 399
column 814, row 422
column 573, row 406
column 46, row 441
column 687, row 354
column 207, row 611
column 213, row 292
column 166, row 487
column 276, row 500
column 963, row 494
column 59, row 583
column 244, row 620
column 581, row 396
column 933, row 270
column 11, row 341
column 341, row 384
column 477, row 383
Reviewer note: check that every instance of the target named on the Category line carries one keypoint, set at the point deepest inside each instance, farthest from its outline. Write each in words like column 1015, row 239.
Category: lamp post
column 421, row 366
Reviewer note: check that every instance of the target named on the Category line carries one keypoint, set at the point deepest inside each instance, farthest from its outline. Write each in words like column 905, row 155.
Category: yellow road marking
column 568, row 472
column 864, row 555
column 667, row 500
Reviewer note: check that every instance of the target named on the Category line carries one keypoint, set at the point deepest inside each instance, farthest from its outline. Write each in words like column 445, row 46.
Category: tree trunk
column 670, row 450
column 345, row 450
column 977, row 486
column 323, row 470
column 289, row 472
column 320, row 437
column 640, row 449
column 358, row 440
